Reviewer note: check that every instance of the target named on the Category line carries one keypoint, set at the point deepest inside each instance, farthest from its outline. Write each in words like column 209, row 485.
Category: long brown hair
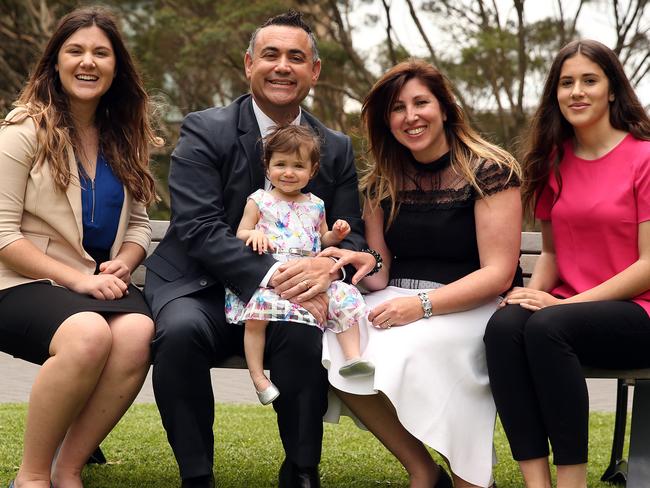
column 122, row 116
column 544, row 146
column 385, row 175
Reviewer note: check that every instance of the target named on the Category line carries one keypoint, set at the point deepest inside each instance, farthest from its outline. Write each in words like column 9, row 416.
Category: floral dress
column 294, row 225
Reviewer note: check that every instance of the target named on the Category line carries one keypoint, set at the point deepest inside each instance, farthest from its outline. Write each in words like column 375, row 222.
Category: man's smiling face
column 281, row 70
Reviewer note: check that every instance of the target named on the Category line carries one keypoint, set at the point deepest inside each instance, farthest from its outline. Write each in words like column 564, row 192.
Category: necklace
column 88, row 145
column 87, row 166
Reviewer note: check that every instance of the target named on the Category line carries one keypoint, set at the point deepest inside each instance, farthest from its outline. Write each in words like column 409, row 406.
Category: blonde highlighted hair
column 384, row 176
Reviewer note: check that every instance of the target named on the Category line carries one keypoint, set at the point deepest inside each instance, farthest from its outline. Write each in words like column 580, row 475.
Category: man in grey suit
column 216, row 164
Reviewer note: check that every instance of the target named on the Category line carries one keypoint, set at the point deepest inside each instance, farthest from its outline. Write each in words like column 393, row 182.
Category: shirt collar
column 266, row 123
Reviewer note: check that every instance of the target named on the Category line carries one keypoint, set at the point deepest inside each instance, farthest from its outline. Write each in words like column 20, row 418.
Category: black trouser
column 191, row 337
column 534, row 362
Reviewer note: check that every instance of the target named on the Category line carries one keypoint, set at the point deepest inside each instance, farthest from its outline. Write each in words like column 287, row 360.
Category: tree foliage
column 503, row 58
column 25, row 26
column 191, row 51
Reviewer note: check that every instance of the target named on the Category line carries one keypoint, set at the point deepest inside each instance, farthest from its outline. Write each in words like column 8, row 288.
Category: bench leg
column 638, row 475
column 616, row 472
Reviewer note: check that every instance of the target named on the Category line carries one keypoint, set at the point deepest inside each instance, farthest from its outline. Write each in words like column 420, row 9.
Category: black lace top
column 433, row 236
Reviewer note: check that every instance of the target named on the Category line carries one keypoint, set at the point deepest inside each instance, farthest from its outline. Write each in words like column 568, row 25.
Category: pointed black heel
column 444, row 481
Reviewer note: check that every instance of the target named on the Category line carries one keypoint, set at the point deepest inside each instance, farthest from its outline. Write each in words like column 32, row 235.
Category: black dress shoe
column 307, row 477
column 97, row 457
column 206, row 481
column 292, row 476
column 444, row 481
column 285, row 476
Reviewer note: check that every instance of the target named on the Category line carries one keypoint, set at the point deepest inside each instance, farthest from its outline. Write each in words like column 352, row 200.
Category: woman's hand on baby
column 101, row 286
column 117, row 268
column 394, row 312
column 363, row 262
column 530, row 299
column 259, row 242
column 341, row 228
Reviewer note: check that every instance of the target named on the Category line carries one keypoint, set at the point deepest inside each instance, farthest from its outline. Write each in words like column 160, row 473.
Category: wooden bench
column 637, row 472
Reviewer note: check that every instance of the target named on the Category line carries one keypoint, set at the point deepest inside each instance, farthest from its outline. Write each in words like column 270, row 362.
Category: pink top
column 595, row 220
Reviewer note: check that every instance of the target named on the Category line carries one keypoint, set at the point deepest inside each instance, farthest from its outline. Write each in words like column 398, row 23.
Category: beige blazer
column 33, row 207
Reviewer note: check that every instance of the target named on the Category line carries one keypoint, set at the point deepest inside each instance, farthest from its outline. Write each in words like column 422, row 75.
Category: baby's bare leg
column 254, row 341
column 349, row 342
column 354, row 364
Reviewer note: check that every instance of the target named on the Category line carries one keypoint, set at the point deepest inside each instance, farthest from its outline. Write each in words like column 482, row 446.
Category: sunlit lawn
column 248, row 452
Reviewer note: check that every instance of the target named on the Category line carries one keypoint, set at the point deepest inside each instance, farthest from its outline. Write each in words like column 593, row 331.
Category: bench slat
column 531, row 247
column 527, row 263
column 531, row 242
column 137, row 277
column 158, row 229
column 628, row 374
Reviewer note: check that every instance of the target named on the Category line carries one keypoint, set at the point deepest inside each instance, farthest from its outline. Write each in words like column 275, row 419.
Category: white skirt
column 434, row 373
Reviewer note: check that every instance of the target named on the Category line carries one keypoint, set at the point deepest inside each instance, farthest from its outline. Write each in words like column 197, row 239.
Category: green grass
column 248, row 452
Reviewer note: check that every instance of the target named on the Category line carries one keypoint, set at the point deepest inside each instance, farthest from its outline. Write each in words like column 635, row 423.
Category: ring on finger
column 306, row 284
column 387, row 323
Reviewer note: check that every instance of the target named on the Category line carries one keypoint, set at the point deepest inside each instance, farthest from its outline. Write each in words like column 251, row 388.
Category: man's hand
column 302, row 279
column 317, row 306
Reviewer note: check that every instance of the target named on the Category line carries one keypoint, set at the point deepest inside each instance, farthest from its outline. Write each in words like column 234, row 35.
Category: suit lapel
column 73, row 193
column 306, row 122
column 250, row 141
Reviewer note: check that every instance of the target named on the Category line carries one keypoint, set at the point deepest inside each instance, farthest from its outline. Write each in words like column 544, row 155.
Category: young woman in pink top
column 587, row 174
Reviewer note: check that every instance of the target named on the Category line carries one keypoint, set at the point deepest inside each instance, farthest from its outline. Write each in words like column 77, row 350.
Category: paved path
column 230, row 386
column 17, row 376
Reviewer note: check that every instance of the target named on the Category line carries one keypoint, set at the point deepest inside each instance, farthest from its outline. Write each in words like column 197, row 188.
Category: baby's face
column 290, row 172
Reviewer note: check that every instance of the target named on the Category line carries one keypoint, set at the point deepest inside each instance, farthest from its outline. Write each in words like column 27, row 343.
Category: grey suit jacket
column 216, row 164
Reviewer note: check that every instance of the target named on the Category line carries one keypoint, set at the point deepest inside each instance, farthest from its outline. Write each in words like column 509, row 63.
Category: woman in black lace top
column 443, row 210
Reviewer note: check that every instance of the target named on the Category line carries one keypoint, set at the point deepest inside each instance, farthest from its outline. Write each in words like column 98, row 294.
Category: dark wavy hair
column 385, row 175
column 122, row 116
column 544, row 145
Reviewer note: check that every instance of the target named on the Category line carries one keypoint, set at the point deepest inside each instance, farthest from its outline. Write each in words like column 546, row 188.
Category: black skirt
column 30, row 314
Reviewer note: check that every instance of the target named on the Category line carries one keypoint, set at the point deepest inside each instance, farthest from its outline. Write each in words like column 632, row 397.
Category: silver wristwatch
column 426, row 305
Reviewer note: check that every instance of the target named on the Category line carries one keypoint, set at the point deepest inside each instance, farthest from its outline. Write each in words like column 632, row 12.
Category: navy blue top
column 101, row 203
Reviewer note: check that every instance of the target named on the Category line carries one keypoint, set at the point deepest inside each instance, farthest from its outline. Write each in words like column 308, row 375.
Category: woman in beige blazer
column 73, row 226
